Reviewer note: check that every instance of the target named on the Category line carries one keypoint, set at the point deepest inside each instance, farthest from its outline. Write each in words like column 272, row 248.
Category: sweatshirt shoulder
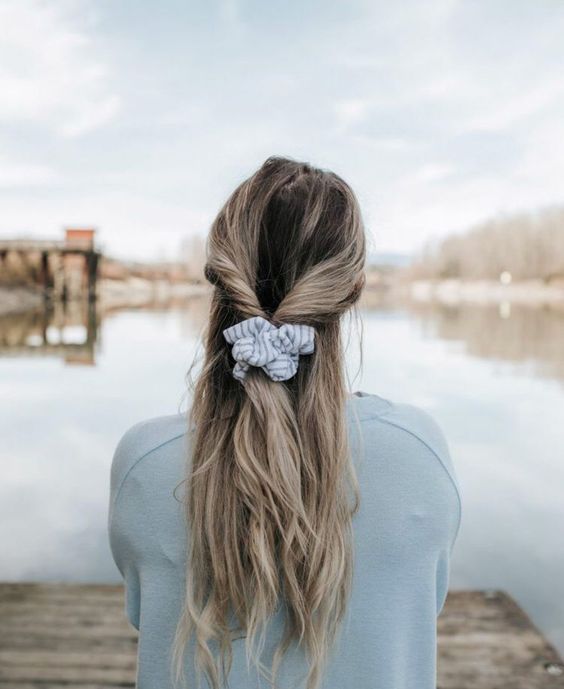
column 419, row 423
column 406, row 444
column 142, row 439
column 408, row 421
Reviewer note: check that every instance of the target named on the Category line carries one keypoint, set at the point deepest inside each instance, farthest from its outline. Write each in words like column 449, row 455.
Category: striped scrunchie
column 256, row 342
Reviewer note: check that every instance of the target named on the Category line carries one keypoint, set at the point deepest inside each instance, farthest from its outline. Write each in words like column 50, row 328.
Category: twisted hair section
column 271, row 488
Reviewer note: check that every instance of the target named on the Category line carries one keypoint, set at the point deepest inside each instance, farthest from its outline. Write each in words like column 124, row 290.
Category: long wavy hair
column 271, row 489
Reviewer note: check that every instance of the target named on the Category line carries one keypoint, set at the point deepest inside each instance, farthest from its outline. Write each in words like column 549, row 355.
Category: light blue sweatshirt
column 404, row 532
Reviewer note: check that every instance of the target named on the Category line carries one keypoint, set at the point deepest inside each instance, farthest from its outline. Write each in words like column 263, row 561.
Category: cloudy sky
column 139, row 117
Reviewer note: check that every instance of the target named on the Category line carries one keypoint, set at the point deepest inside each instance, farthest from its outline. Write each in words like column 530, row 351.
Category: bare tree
column 524, row 245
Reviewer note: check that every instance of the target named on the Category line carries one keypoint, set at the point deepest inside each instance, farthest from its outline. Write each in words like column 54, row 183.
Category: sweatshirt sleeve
column 439, row 480
column 120, row 526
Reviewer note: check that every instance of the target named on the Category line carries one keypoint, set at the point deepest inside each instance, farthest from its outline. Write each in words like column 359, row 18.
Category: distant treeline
column 527, row 245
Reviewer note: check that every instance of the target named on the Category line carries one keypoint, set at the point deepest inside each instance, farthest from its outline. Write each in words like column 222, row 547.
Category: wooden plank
column 487, row 642
column 66, row 685
column 57, row 636
column 32, row 591
column 63, row 658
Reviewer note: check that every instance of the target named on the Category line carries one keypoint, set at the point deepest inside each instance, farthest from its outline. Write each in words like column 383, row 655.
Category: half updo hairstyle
column 271, row 489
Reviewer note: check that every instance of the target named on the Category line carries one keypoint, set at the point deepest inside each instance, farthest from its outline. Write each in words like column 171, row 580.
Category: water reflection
column 67, row 331
column 70, row 331
column 62, row 423
column 522, row 335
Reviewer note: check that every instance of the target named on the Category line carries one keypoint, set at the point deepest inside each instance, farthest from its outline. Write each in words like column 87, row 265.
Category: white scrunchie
column 256, row 342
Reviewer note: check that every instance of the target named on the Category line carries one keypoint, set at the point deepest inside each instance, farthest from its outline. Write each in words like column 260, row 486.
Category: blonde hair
column 271, row 488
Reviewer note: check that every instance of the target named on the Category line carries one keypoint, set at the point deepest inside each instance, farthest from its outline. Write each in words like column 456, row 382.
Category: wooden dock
column 57, row 636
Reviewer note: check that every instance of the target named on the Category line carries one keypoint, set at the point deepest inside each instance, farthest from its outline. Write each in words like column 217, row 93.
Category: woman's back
column 403, row 534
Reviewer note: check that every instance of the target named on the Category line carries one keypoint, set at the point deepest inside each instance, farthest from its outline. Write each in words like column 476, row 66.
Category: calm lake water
column 492, row 377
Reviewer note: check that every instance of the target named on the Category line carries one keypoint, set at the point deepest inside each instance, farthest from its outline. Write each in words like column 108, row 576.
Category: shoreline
column 111, row 294
column 485, row 292
column 137, row 292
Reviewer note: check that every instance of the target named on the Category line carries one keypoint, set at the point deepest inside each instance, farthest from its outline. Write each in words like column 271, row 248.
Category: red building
column 79, row 238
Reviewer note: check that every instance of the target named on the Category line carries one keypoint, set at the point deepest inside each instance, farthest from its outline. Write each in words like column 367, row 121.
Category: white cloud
column 95, row 116
column 439, row 113
column 230, row 12
column 433, row 172
column 51, row 74
column 22, row 175
column 500, row 112
column 540, row 171
column 129, row 226
column 350, row 112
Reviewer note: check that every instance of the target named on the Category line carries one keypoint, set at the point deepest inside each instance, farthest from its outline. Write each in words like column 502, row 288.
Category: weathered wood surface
column 56, row 636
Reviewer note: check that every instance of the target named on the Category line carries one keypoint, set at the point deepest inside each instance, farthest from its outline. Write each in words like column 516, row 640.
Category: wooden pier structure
column 63, row 636
column 59, row 268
